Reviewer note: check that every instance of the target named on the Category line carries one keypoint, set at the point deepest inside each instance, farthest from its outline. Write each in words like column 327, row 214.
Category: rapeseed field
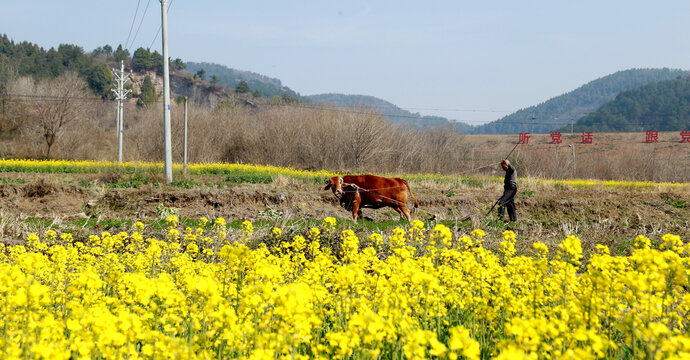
column 413, row 293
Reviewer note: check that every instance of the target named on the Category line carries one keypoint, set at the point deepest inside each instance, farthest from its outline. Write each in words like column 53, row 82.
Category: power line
column 365, row 112
column 139, row 27
column 159, row 28
column 461, row 110
column 49, row 98
column 133, row 21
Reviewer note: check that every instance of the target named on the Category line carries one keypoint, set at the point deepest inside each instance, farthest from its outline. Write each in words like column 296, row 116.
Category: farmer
column 509, row 191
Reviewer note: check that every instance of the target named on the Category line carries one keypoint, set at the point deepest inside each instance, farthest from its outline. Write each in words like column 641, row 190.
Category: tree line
column 28, row 59
column 662, row 106
column 556, row 112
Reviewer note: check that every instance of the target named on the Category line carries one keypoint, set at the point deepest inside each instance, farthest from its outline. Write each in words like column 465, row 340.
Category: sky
column 471, row 61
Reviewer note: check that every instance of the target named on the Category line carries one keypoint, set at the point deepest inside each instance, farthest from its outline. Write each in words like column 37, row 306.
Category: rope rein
column 357, row 188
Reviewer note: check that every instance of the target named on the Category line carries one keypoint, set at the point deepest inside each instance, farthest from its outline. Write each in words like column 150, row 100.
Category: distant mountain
column 266, row 86
column 558, row 111
column 387, row 109
column 663, row 106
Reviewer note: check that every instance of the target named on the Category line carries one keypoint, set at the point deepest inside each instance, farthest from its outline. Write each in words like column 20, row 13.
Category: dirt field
column 88, row 204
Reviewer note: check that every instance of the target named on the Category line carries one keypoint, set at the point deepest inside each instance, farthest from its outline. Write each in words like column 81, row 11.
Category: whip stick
column 492, row 207
column 511, row 151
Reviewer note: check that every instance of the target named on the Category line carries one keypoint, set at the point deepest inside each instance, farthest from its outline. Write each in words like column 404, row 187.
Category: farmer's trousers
column 507, row 201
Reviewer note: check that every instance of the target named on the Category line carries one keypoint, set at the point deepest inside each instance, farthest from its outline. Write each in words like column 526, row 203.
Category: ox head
column 335, row 183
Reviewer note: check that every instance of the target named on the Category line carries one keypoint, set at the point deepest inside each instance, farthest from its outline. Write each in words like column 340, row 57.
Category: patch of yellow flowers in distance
column 416, row 293
column 87, row 166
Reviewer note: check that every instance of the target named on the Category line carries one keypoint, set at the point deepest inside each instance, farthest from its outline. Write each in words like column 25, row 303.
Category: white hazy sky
column 473, row 61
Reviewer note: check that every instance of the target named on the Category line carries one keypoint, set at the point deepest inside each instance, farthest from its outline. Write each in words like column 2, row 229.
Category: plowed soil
column 32, row 202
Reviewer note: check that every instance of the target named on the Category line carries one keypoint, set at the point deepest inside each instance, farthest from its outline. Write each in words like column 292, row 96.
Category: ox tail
column 416, row 203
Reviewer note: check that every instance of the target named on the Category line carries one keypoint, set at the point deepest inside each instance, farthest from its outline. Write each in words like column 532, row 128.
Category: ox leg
column 400, row 211
column 355, row 209
column 404, row 211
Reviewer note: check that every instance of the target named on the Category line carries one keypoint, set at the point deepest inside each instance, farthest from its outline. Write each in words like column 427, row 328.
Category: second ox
column 357, row 192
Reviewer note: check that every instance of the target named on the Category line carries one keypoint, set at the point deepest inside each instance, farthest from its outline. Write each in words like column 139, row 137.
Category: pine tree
column 242, row 87
column 121, row 54
column 148, row 94
column 141, row 60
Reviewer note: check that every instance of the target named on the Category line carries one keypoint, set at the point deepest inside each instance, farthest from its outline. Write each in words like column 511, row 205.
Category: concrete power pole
column 120, row 96
column 185, row 137
column 574, row 168
column 166, row 94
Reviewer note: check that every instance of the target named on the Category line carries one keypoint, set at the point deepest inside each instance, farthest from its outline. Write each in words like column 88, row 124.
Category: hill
column 542, row 118
column 558, row 111
column 266, row 86
column 662, row 106
column 392, row 112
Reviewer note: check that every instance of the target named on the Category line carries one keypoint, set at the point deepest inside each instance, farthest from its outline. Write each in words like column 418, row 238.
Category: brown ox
column 356, row 192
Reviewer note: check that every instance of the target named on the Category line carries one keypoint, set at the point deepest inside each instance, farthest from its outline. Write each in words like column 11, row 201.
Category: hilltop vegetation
column 662, row 106
column 264, row 85
column 542, row 118
column 27, row 59
column 558, row 111
column 388, row 110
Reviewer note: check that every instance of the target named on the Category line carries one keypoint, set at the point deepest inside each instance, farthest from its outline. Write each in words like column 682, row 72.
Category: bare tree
column 59, row 102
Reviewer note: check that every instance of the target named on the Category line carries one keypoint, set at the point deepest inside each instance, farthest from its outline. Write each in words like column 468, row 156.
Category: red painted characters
column 357, row 192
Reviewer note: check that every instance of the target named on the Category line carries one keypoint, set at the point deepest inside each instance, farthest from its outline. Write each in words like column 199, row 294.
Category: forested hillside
column 390, row 111
column 662, row 106
column 257, row 83
column 558, row 111
column 27, row 59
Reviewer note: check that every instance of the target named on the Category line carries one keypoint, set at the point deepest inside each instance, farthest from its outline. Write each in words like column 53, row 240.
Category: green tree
column 103, row 50
column 201, row 74
column 100, row 80
column 54, row 63
column 256, row 94
column 157, row 62
column 214, row 79
column 179, row 64
column 148, row 94
column 141, row 60
column 288, row 99
column 242, row 87
column 73, row 58
column 121, row 54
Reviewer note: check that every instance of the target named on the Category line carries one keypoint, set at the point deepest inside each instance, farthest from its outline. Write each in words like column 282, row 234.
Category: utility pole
column 185, row 136
column 120, row 96
column 166, row 94
column 571, row 125
column 533, row 118
column 574, row 167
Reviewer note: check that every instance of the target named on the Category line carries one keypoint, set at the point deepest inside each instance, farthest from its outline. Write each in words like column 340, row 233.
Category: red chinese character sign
column 555, row 138
column 652, row 136
column 524, row 138
column 685, row 136
column 587, row 137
